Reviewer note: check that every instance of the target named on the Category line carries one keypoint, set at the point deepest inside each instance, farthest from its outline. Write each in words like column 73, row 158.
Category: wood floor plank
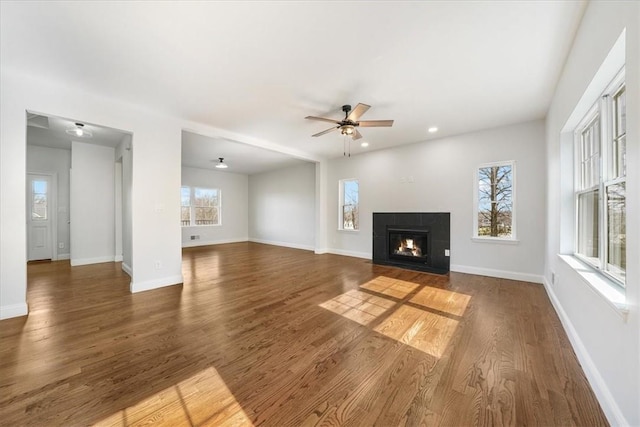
column 264, row 335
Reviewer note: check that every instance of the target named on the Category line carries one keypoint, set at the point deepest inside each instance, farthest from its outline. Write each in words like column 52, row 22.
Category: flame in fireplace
column 407, row 248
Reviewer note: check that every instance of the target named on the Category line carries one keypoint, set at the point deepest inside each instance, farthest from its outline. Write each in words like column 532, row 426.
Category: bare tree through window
column 350, row 214
column 495, row 201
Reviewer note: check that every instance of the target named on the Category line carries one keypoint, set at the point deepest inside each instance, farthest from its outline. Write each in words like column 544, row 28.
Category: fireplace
column 413, row 240
column 408, row 245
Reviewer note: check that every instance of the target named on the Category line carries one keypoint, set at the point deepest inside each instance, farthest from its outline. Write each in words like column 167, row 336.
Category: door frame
column 53, row 212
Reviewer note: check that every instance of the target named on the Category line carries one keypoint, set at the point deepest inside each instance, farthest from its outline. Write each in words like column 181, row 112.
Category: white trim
column 320, row 251
column 501, row 274
column 118, row 258
column 156, row 283
column 603, row 394
column 13, row 310
column 284, row 244
column 194, row 243
column 365, row 255
column 96, row 260
column 500, row 240
column 127, row 269
column 63, row 256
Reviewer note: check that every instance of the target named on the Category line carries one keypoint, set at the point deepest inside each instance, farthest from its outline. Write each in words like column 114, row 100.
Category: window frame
column 193, row 207
column 512, row 239
column 603, row 110
column 341, row 205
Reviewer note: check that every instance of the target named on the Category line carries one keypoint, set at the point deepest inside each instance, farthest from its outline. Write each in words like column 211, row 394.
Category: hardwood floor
column 263, row 335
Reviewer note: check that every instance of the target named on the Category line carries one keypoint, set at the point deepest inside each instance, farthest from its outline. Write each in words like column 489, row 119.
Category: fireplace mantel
column 432, row 230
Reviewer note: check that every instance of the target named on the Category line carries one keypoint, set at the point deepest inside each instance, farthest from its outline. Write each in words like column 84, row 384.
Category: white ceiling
column 203, row 152
column 51, row 131
column 258, row 68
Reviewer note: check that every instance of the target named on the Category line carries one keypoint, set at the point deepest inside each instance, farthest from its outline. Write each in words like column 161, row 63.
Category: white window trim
column 489, row 239
column 192, row 206
column 340, row 205
column 603, row 108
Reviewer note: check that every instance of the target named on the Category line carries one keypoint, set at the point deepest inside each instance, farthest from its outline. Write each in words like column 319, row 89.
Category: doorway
column 41, row 218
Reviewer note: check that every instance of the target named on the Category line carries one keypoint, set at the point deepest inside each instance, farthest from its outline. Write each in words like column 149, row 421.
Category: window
column 200, row 206
column 39, row 209
column 600, row 183
column 494, row 216
column 185, row 205
column 348, row 215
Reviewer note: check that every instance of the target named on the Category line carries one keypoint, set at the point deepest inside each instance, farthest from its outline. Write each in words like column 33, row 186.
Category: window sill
column 346, row 230
column 605, row 288
column 199, row 226
column 498, row 240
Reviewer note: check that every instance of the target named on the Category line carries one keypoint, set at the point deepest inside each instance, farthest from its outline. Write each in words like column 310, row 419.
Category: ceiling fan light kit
column 348, row 126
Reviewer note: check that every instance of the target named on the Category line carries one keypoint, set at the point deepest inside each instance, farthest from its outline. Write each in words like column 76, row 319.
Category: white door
column 39, row 217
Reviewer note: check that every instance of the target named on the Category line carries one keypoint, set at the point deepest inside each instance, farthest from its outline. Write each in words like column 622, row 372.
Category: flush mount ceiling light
column 79, row 131
column 433, row 129
column 364, row 144
column 221, row 164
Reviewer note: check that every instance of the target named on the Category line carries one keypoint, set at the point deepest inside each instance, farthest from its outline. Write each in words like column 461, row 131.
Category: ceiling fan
column 348, row 126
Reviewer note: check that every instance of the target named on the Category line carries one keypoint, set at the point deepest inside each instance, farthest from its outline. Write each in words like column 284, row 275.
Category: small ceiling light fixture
column 221, row 164
column 433, row 129
column 364, row 144
column 79, row 131
column 347, row 130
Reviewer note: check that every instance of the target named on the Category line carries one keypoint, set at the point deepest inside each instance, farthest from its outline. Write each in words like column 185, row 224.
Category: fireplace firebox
column 408, row 245
column 413, row 240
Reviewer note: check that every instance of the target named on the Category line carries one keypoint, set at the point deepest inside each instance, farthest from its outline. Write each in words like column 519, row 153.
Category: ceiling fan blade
column 356, row 134
column 326, row 131
column 355, row 114
column 323, row 119
column 375, row 123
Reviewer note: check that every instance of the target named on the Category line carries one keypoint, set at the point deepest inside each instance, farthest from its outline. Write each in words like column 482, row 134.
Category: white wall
column 155, row 179
column 282, row 207
column 92, row 203
column 58, row 161
column 607, row 345
column 443, row 181
column 235, row 207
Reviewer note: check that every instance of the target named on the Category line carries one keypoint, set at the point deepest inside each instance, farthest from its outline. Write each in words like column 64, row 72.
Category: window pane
column 206, row 197
column 349, row 202
column 617, row 232
column 39, row 211
column 590, row 155
column 185, row 196
column 185, row 215
column 206, row 215
column 495, row 206
column 620, row 104
column 588, row 224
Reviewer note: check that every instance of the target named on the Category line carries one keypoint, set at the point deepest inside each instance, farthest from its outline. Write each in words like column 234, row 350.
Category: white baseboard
column 13, row 310
column 320, row 251
column 63, row 256
column 87, row 261
column 365, row 255
column 118, row 258
column 607, row 402
column 127, row 269
column 285, row 244
column 502, row 274
column 156, row 283
column 194, row 243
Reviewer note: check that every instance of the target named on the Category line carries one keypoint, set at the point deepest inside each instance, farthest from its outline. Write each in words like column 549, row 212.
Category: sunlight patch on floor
column 358, row 306
column 202, row 400
column 423, row 330
column 442, row 300
column 393, row 287
column 426, row 320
